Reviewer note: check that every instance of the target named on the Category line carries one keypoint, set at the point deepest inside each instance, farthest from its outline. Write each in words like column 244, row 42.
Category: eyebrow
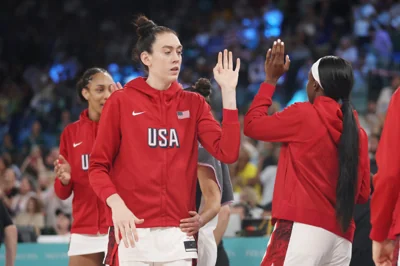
column 171, row 47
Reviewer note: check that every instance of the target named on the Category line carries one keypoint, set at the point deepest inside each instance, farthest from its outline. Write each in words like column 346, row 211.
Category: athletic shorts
column 297, row 244
column 87, row 244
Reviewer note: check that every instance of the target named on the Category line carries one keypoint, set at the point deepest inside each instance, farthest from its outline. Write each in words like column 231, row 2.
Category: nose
column 176, row 57
column 107, row 94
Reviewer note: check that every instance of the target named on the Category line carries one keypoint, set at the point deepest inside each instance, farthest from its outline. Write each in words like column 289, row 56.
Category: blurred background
column 46, row 45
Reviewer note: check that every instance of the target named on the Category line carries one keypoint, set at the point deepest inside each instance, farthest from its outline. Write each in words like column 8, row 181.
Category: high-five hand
column 224, row 74
column 227, row 78
column 115, row 87
column 275, row 65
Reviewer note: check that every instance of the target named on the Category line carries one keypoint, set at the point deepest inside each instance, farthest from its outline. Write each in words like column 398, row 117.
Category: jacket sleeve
column 222, row 143
column 282, row 126
column 62, row 191
column 387, row 180
column 105, row 149
column 364, row 170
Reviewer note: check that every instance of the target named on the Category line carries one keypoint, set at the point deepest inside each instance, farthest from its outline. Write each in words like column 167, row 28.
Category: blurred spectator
column 245, row 173
column 26, row 191
column 32, row 216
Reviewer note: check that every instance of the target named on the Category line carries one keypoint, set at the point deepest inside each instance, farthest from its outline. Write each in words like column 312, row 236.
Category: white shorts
column 187, row 262
column 87, row 244
column 297, row 244
column 159, row 244
column 207, row 247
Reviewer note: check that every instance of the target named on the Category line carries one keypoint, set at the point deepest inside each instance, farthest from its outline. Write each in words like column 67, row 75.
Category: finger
column 287, row 63
column 116, row 231
column 188, row 220
column 131, row 230
column 237, row 65
column 225, row 59
column 192, row 232
column 230, row 61
column 188, row 225
column 138, row 221
column 193, row 213
column 282, row 53
column 273, row 53
column 113, row 88
column 119, row 86
column 62, row 158
column 134, row 231
column 123, row 234
column 278, row 47
column 268, row 56
column 219, row 63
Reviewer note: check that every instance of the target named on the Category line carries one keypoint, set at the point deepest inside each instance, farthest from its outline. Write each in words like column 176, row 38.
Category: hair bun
column 144, row 26
column 203, row 86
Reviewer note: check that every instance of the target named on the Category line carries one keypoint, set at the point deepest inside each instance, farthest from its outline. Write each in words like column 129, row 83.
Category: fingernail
column 279, row 40
column 282, row 43
column 275, row 43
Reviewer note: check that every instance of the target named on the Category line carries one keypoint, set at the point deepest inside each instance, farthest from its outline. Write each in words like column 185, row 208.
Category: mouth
column 175, row 69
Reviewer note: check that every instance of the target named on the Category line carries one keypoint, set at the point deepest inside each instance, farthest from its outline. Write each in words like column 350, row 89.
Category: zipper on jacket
column 165, row 172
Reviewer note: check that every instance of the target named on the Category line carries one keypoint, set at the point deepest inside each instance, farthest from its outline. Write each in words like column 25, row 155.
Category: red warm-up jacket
column 385, row 202
column 76, row 144
column 308, row 166
column 149, row 139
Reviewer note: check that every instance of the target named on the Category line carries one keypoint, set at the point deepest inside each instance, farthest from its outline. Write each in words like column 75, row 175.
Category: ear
column 315, row 85
column 85, row 93
column 145, row 57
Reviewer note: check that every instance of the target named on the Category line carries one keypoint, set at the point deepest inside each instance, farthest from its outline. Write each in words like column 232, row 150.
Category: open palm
column 224, row 74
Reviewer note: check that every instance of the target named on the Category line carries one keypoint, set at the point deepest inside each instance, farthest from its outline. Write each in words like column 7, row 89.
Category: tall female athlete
column 323, row 165
column 89, row 230
column 144, row 161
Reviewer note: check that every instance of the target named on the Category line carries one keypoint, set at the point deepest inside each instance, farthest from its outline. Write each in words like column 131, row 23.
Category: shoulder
column 117, row 95
column 299, row 109
column 396, row 97
column 72, row 127
column 191, row 96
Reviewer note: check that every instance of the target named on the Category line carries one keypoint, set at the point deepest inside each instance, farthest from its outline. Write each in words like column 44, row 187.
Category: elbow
column 248, row 131
column 63, row 196
column 363, row 199
column 231, row 159
column 225, row 212
column 216, row 209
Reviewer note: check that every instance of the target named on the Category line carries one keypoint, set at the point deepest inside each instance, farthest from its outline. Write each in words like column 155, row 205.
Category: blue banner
column 241, row 251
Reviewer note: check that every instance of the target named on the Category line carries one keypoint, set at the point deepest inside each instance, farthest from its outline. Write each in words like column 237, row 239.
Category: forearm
column 223, row 219
column 210, row 209
column 10, row 241
column 228, row 99
column 114, row 200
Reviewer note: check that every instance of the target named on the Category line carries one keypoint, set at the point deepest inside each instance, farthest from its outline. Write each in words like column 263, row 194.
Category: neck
column 156, row 84
column 93, row 115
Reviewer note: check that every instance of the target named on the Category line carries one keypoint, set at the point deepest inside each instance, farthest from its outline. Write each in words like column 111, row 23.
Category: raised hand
column 62, row 170
column 275, row 63
column 224, row 74
column 115, row 87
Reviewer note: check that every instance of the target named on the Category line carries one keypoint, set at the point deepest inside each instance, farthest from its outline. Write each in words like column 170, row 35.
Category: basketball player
column 323, row 167
column 144, row 161
column 89, row 229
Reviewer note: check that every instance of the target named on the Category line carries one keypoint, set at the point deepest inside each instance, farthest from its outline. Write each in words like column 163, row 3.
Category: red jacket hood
column 331, row 115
